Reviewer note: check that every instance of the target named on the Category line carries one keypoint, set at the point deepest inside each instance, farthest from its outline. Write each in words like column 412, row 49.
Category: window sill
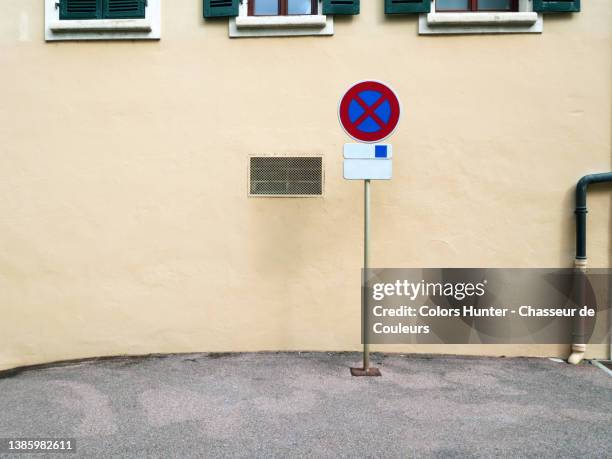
column 263, row 22
column 473, row 23
column 101, row 25
column 442, row 19
column 280, row 26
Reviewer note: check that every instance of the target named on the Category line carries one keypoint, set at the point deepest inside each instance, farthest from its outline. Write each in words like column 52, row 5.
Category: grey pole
column 366, row 265
column 366, row 370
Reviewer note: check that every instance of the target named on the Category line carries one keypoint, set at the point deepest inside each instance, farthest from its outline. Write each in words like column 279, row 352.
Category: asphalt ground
column 307, row 405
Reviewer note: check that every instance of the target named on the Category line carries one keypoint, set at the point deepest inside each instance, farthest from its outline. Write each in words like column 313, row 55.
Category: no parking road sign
column 369, row 111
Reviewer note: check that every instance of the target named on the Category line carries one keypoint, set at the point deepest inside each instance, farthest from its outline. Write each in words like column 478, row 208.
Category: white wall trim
column 523, row 21
column 148, row 28
column 279, row 26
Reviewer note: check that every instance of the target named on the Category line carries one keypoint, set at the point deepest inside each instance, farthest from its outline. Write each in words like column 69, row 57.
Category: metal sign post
column 366, row 266
column 369, row 112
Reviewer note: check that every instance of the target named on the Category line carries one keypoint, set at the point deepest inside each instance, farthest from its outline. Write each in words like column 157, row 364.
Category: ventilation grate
column 286, row 176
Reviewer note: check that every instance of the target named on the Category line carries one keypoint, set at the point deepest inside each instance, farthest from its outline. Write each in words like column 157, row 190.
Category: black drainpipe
column 581, row 209
column 580, row 264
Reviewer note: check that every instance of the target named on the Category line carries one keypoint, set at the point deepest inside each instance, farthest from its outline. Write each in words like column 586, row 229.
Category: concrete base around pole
column 371, row 371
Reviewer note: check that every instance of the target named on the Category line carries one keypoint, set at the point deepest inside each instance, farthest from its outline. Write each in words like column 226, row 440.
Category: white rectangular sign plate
column 367, row 151
column 368, row 169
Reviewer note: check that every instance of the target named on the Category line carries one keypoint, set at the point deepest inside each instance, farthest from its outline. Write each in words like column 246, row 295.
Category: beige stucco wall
column 124, row 222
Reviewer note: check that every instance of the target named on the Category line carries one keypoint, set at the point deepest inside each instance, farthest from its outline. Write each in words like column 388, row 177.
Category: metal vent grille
column 286, row 176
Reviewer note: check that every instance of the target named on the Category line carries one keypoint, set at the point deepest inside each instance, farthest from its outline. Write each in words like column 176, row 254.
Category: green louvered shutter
column 556, row 6
column 123, row 9
column 221, row 8
column 407, row 6
column 80, row 9
column 340, row 6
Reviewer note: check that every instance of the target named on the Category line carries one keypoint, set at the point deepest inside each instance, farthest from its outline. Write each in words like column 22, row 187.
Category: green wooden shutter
column 407, row 6
column 340, row 6
column 80, row 9
column 124, row 9
column 556, row 6
column 221, row 8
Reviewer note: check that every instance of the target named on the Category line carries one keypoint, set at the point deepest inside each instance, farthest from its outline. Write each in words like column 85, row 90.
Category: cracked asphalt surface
column 307, row 405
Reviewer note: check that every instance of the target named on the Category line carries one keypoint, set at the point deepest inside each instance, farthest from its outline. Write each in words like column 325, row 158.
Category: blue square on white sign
column 380, row 151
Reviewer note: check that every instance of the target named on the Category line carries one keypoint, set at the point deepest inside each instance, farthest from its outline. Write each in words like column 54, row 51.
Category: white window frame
column 523, row 21
column 57, row 29
column 279, row 26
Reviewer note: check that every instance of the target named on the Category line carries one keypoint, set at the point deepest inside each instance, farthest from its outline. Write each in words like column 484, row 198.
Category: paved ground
column 288, row 405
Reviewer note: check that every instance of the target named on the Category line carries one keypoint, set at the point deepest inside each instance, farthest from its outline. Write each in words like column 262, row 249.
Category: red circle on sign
column 369, row 111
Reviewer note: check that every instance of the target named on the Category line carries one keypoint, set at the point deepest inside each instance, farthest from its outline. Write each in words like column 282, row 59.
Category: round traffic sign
column 369, row 111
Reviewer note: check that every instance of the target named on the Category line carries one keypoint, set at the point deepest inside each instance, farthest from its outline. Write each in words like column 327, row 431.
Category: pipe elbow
column 581, row 193
column 585, row 181
column 583, row 185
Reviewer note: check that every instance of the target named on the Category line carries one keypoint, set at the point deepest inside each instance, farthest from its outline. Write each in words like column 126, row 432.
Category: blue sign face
column 372, row 113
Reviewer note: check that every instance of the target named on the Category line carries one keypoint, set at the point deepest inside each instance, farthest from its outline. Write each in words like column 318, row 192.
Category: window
column 102, row 19
column 282, row 7
column 289, row 176
column 476, row 5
